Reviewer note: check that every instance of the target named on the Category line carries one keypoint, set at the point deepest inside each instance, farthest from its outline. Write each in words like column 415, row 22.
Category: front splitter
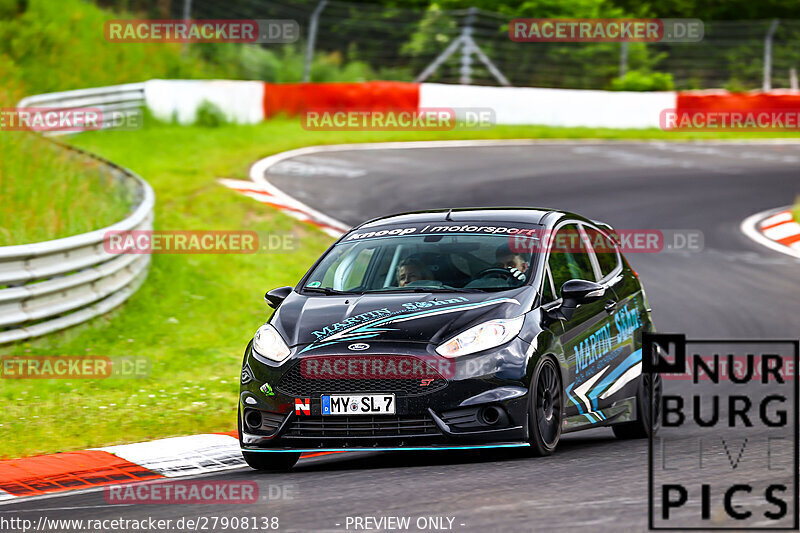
column 390, row 449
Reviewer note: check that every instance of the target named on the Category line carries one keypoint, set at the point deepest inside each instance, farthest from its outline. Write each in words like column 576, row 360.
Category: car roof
column 525, row 215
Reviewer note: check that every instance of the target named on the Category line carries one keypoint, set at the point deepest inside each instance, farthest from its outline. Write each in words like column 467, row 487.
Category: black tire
column 271, row 461
column 545, row 408
column 266, row 461
column 641, row 427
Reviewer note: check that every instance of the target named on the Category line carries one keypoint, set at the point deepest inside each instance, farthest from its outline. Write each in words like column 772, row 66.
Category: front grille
column 347, row 427
column 293, row 383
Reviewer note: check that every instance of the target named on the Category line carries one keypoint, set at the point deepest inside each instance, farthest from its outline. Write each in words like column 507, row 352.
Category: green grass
column 56, row 46
column 195, row 313
column 796, row 209
column 48, row 193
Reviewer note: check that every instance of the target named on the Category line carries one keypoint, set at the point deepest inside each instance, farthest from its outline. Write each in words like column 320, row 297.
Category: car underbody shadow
column 365, row 459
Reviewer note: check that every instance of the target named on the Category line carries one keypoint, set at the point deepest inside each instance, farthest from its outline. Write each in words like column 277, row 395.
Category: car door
column 586, row 337
column 626, row 312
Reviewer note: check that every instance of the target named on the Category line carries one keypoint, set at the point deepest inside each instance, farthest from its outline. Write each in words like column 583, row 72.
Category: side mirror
column 574, row 293
column 275, row 297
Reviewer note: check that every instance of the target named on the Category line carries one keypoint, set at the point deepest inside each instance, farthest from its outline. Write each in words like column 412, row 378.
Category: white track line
column 258, row 173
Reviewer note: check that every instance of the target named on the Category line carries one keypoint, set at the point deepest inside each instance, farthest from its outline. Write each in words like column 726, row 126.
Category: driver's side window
column 569, row 258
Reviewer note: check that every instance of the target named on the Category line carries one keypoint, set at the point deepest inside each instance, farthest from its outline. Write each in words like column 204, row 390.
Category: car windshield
column 423, row 263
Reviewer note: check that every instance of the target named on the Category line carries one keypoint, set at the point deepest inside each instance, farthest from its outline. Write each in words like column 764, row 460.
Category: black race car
column 465, row 328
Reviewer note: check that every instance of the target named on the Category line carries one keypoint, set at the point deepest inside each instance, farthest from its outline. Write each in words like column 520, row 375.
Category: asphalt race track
column 733, row 288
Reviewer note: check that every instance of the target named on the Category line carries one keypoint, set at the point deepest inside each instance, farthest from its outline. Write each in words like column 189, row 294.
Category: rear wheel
column 641, row 427
column 545, row 408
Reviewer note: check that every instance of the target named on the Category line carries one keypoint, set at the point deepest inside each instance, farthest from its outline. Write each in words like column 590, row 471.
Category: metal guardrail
column 48, row 286
column 114, row 102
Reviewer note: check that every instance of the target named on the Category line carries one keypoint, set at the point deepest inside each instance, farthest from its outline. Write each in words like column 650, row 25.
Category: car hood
column 312, row 322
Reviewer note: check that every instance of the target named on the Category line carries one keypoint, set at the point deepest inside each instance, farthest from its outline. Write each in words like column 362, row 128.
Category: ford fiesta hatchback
column 465, row 328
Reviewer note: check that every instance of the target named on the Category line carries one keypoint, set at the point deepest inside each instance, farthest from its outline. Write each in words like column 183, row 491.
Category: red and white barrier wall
column 169, row 100
column 554, row 107
column 250, row 102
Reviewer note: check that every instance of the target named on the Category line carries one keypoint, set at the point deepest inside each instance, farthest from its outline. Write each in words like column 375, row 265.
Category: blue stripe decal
column 310, row 346
column 572, row 398
column 628, row 363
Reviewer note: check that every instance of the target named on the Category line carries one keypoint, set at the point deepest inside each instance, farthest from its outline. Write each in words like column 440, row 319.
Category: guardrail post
column 623, row 58
column 767, row 85
column 312, row 37
column 466, row 50
column 187, row 15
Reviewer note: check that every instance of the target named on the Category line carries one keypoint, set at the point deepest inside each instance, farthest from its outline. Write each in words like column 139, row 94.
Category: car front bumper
column 484, row 403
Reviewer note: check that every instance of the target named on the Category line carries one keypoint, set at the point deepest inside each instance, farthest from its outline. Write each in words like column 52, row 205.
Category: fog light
column 493, row 415
column 253, row 419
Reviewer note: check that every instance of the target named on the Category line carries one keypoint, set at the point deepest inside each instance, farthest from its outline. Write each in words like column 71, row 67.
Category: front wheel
column 545, row 408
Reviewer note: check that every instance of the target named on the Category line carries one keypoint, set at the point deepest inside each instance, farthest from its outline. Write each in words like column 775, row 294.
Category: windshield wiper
column 328, row 291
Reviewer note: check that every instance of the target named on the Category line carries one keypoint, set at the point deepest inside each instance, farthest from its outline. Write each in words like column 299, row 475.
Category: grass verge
column 49, row 193
column 796, row 209
column 195, row 313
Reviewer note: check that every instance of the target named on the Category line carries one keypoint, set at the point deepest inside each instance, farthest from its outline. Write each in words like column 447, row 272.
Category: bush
column 286, row 64
column 37, row 45
column 636, row 80
column 209, row 115
column 12, row 8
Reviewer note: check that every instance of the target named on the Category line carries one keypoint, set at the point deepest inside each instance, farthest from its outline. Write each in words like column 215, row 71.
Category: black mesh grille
column 361, row 427
column 293, row 383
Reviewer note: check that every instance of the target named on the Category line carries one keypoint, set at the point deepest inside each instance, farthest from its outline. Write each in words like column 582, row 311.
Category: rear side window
column 569, row 257
column 604, row 249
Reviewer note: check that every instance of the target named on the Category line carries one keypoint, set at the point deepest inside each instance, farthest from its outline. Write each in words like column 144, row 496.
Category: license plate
column 358, row 404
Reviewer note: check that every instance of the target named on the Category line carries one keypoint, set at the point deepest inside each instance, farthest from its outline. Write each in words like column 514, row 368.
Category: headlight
column 268, row 342
column 482, row 337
